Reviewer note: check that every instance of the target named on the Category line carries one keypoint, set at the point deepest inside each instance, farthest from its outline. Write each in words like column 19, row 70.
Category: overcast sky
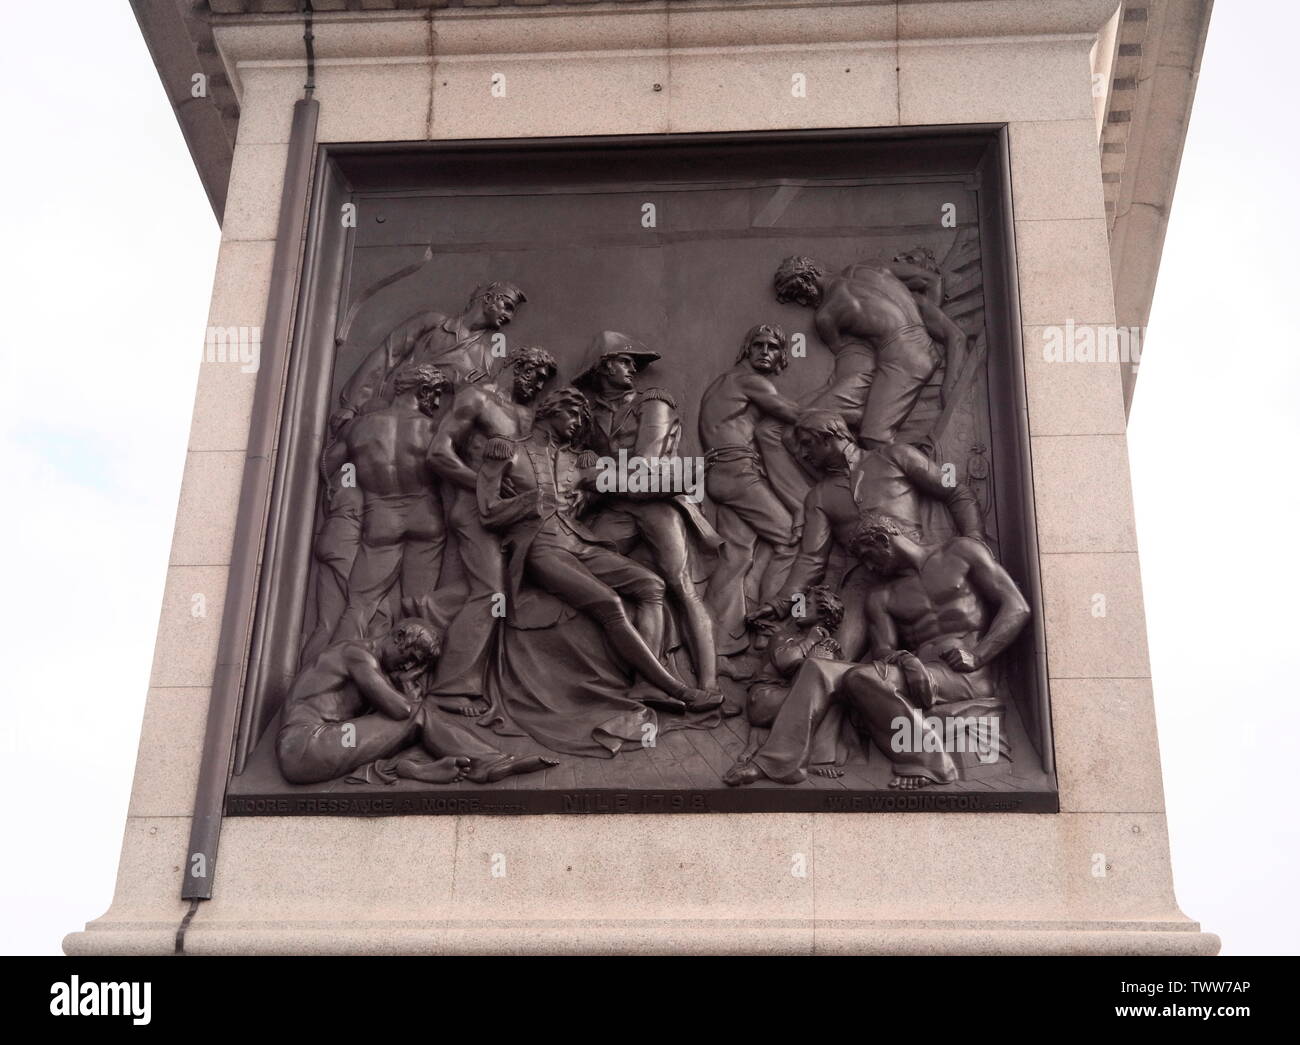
column 110, row 250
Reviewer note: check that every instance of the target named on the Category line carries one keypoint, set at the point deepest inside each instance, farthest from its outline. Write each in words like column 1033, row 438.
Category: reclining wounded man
column 938, row 623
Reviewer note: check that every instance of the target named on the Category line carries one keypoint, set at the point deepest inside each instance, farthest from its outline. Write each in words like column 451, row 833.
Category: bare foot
column 909, row 783
column 742, row 773
column 440, row 771
column 834, row 772
column 462, row 705
column 509, row 765
column 757, row 738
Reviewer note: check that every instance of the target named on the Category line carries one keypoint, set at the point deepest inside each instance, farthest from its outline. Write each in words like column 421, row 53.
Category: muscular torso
column 727, row 411
column 891, row 481
column 937, row 608
column 492, row 415
column 866, row 307
column 389, row 448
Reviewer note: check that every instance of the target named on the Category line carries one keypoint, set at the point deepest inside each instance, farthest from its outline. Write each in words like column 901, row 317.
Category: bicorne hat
column 611, row 343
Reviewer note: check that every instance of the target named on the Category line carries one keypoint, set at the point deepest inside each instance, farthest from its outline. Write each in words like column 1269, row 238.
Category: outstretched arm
column 930, row 480
column 763, row 394
column 994, row 584
column 366, row 382
column 942, row 329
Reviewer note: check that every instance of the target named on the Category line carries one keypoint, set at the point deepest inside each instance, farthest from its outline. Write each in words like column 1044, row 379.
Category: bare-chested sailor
column 479, row 413
column 882, row 336
column 357, row 702
column 938, row 624
column 337, row 541
column 750, row 516
column 402, row 532
column 898, row 480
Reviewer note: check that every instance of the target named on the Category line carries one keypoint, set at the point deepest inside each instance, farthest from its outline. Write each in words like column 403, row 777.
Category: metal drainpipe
column 254, row 495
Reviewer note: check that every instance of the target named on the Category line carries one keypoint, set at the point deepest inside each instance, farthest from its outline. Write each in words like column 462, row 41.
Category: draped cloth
column 927, row 687
column 563, row 685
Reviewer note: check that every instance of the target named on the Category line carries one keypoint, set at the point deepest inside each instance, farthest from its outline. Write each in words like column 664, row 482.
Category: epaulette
column 499, row 449
column 587, row 459
column 662, row 394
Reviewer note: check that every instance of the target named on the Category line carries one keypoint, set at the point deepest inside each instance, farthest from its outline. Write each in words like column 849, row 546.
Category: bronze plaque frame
column 343, row 262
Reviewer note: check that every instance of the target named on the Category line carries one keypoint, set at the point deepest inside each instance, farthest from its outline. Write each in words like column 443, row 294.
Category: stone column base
column 759, row 883
column 659, row 937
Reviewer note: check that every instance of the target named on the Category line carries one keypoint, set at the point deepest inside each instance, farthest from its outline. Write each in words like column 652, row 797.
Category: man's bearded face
column 529, row 378
column 802, row 289
column 877, row 550
column 428, row 397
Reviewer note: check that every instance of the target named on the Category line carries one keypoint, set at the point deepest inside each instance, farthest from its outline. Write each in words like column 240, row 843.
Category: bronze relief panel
column 679, row 474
